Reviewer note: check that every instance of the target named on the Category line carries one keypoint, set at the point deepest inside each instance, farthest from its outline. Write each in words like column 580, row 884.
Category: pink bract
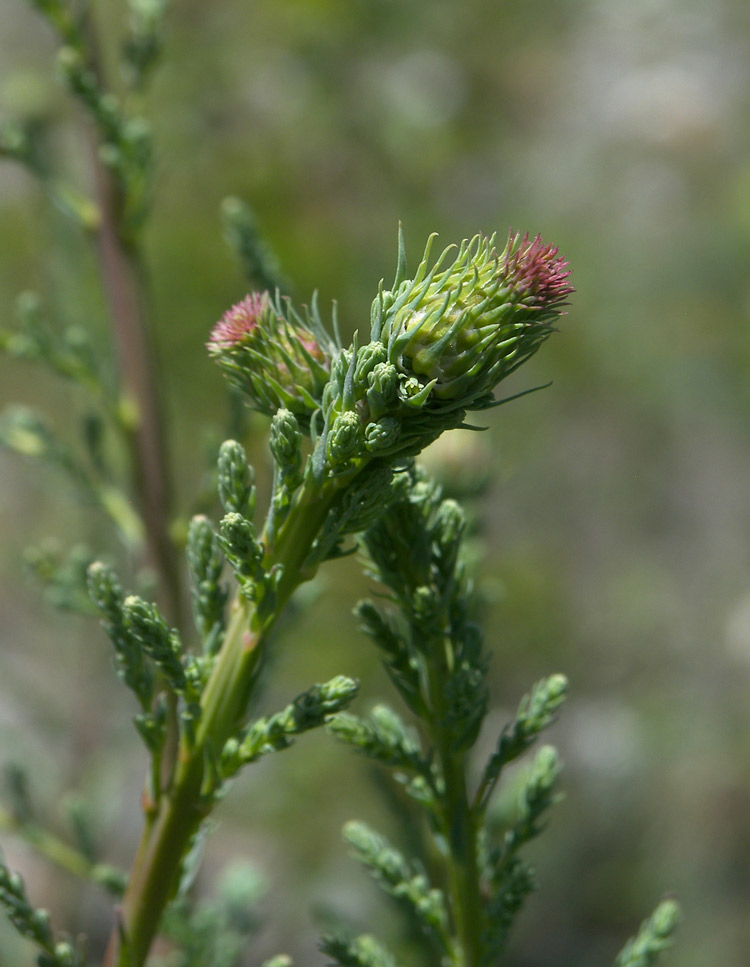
column 238, row 322
column 537, row 271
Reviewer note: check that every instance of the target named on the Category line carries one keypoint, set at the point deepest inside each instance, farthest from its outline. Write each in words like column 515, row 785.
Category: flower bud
column 272, row 357
column 236, row 479
column 368, row 358
column 286, row 442
column 459, row 331
column 383, row 388
column 345, row 440
column 383, row 434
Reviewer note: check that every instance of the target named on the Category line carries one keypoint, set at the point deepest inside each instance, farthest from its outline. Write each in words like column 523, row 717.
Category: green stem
column 183, row 806
column 459, row 828
column 461, row 833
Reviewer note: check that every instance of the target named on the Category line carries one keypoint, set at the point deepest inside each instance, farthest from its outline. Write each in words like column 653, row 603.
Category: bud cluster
column 440, row 343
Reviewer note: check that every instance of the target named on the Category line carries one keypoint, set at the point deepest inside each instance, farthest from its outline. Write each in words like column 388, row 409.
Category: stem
column 461, row 832
column 141, row 408
column 165, row 839
column 459, row 829
column 123, row 278
column 183, row 806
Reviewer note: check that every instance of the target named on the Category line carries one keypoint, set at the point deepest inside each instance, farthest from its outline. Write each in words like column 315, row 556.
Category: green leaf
column 536, row 712
column 383, row 737
column 408, row 885
column 654, row 937
column 241, row 232
column 272, row 733
column 363, row 951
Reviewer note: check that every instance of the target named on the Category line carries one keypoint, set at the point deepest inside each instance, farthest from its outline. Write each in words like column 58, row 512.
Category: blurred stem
column 459, row 828
column 141, row 407
column 189, row 799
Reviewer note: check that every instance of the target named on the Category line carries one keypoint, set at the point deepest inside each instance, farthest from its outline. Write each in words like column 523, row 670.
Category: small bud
column 383, row 388
column 236, row 489
column 451, row 521
column 104, row 588
column 239, row 534
column 272, row 357
column 543, row 774
column 425, row 604
column 340, row 366
column 346, row 438
column 382, row 435
column 204, row 559
column 286, row 442
column 160, row 642
column 40, row 924
column 14, row 141
column 368, row 357
column 244, row 552
column 65, row 955
column 280, row 960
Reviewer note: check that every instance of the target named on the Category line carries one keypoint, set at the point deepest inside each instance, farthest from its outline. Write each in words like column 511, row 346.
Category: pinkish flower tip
column 239, row 321
column 537, row 271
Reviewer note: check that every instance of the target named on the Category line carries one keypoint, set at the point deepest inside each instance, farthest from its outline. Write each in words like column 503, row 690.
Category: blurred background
column 616, row 525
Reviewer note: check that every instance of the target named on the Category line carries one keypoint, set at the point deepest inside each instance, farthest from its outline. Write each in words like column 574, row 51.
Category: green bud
column 204, row 557
column 383, row 388
column 236, row 478
column 274, row 357
column 363, row 951
column 346, row 438
column 653, row 938
column 450, row 524
column 286, row 442
column 104, row 588
column 463, row 329
column 543, row 775
column 426, row 604
column 383, row 434
column 244, row 552
column 23, row 431
column 206, row 562
column 40, row 925
column 65, row 955
column 368, row 357
column 160, row 642
column 340, row 367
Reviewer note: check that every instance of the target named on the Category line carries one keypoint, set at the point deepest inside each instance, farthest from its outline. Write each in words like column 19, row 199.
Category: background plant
column 637, row 443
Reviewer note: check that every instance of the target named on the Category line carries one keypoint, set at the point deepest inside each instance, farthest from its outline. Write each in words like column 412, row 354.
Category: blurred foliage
column 617, row 526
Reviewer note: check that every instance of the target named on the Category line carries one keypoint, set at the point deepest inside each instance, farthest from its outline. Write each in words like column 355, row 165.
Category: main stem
column 183, row 806
column 459, row 829
column 463, row 871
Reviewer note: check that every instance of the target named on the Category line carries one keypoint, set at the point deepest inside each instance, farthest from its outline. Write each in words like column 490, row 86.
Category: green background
column 616, row 529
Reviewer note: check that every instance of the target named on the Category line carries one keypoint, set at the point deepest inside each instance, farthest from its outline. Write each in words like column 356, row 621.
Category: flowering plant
column 346, row 424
